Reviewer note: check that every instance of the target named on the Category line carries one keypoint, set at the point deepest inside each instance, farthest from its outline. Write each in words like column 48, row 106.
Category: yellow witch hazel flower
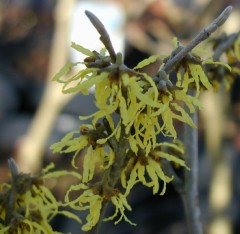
column 142, row 167
column 93, row 140
column 225, row 77
column 93, row 157
column 93, row 199
column 120, row 202
column 27, row 206
column 88, row 200
column 190, row 71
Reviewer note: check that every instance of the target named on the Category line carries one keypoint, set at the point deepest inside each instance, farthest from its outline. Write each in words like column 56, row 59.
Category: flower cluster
column 125, row 149
column 134, row 95
column 144, row 111
column 27, row 206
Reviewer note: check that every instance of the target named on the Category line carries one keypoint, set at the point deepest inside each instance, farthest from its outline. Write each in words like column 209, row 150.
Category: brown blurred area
column 30, row 26
column 27, row 30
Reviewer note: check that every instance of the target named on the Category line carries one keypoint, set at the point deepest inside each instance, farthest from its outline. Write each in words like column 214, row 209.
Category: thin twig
column 205, row 14
column 226, row 44
column 204, row 34
column 104, row 36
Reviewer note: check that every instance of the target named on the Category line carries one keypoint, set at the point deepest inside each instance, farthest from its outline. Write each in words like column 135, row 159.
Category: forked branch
column 203, row 35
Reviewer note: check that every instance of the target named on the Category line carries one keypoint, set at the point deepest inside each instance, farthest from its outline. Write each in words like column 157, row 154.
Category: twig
column 204, row 15
column 104, row 36
column 222, row 47
column 204, row 34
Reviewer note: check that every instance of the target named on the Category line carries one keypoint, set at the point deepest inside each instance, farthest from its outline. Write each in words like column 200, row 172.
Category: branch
column 190, row 194
column 120, row 157
column 204, row 34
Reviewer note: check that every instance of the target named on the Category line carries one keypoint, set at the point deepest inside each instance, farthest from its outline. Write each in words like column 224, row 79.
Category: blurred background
column 35, row 37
